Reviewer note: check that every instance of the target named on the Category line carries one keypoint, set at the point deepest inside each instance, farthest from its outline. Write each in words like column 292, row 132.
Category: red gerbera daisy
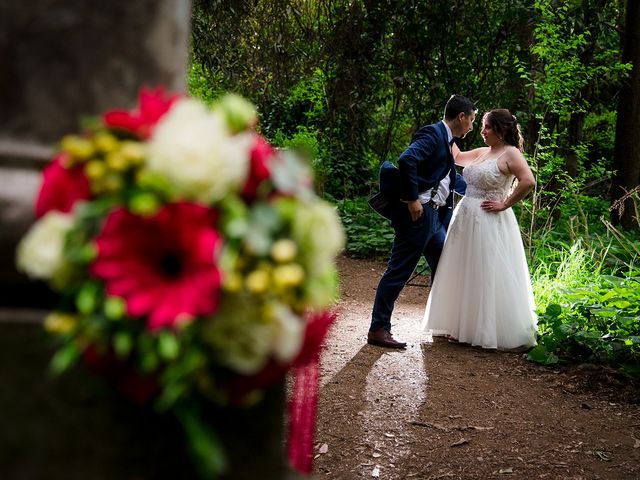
column 61, row 187
column 153, row 105
column 261, row 153
column 163, row 266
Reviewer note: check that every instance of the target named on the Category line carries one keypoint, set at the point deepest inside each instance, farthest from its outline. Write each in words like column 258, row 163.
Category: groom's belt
column 430, row 203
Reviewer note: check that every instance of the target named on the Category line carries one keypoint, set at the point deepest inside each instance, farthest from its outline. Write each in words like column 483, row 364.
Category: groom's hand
column 415, row 209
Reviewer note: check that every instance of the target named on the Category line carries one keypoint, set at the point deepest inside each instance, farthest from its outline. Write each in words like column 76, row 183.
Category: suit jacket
column 425, row 162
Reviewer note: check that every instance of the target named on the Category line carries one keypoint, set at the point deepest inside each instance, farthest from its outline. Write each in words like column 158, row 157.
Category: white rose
column 192, row 147
column 287, row 331
column 241, row 341
column 40, row 252
column 318, row 231
column 250, row 355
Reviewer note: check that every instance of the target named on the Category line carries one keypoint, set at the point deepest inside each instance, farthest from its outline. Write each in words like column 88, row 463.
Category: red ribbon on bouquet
column 303, row 402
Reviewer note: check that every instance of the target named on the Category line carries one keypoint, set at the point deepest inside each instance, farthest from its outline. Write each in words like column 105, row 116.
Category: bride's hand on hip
column 493, row 206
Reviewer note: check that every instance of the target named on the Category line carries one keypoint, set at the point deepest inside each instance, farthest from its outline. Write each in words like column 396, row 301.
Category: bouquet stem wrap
column 303, row 403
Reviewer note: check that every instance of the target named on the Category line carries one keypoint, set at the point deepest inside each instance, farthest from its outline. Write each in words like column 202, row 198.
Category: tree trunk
column 627, row 149
column 576, row 124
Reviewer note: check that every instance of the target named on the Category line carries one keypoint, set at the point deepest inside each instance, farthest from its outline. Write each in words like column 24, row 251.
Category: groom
column 427, row 180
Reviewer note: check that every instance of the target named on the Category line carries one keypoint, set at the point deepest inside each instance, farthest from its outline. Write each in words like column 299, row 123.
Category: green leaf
column 64, row 358
column 553, row 310
column 604, row 312
column 170, row 395
column 168, row 345
column 87, row 299
column 621, row 304
column 122, row 344
column 149, row 361
column 613, row 280
column 114, row 308
column 540, row 354
column 203, row 443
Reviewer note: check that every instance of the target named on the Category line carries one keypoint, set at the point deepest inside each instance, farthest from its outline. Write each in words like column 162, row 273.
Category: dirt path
column 439, row 410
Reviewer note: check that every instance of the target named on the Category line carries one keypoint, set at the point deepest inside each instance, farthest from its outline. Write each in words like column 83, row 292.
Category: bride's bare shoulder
column 477, row 152
column 467, row 157
column 480, row 150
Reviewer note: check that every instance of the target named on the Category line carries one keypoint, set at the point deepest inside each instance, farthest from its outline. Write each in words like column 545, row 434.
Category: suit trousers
column 423, row 237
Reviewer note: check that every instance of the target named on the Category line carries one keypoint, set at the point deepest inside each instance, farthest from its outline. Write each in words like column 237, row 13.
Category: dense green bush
column 368, row 234
column 598, row 322
column 586, row 314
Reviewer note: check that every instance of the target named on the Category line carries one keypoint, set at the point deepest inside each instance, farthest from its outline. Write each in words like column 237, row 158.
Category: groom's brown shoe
column 383, row 338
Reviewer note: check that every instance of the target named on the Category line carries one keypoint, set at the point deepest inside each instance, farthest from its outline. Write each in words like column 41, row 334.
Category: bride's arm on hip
column 465, row 158
column 515, row 163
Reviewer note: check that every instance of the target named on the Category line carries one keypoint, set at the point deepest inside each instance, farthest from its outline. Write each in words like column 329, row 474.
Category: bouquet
column 192, row 259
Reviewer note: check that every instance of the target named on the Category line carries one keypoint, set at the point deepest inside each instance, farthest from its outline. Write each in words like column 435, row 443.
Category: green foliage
column 600, row 129
column 308, row 97
column 588, row 311
column 350, row 81
column 368, row 234
column 305, row 142
column 202, row 84
column 563, row 268
column 573, row 51
column 598, row 322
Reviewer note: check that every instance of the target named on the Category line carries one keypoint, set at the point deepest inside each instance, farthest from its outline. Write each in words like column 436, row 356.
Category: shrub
column 368, row 234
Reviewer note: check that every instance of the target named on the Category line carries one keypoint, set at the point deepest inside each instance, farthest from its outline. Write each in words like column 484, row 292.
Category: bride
column 482, row 293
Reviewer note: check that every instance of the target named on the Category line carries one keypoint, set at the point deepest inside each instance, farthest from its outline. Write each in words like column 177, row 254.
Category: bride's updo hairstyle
column 506, row 127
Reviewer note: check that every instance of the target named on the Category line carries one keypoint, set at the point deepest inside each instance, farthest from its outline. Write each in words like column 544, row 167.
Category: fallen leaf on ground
column 376, row 472
column 474, row 427
column 462, row 441
column 324, row 448
column 431, row 425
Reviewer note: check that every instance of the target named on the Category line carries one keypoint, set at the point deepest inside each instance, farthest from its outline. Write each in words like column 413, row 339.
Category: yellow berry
column 284, row 250
column 77, row 147
column 105, row 142
column 289, row 275
column 95, row 169
column 59, row 322
column 232, row 282
column 257, row 281
column 116, row 161
column 133, row 152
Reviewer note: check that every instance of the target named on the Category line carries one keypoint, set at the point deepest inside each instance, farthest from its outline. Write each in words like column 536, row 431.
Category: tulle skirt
column 481, row 293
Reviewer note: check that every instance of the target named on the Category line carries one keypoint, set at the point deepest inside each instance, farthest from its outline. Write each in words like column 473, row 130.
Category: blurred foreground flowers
column 186, row 249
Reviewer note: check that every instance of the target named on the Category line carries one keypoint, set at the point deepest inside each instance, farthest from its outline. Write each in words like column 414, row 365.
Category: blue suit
column 427, row 159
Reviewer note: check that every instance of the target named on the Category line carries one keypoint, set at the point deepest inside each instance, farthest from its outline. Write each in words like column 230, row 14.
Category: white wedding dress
column 481, row 292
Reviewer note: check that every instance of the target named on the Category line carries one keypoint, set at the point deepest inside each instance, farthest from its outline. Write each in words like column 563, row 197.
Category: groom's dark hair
column 458, row 104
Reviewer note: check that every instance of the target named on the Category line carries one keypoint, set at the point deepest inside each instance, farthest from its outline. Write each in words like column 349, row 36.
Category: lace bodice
column 485, row 181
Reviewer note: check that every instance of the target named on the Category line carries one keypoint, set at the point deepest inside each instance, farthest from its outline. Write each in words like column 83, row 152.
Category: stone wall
column 63, row 60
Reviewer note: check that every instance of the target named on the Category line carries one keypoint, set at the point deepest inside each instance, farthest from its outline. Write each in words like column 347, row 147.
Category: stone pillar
column 63, row 60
